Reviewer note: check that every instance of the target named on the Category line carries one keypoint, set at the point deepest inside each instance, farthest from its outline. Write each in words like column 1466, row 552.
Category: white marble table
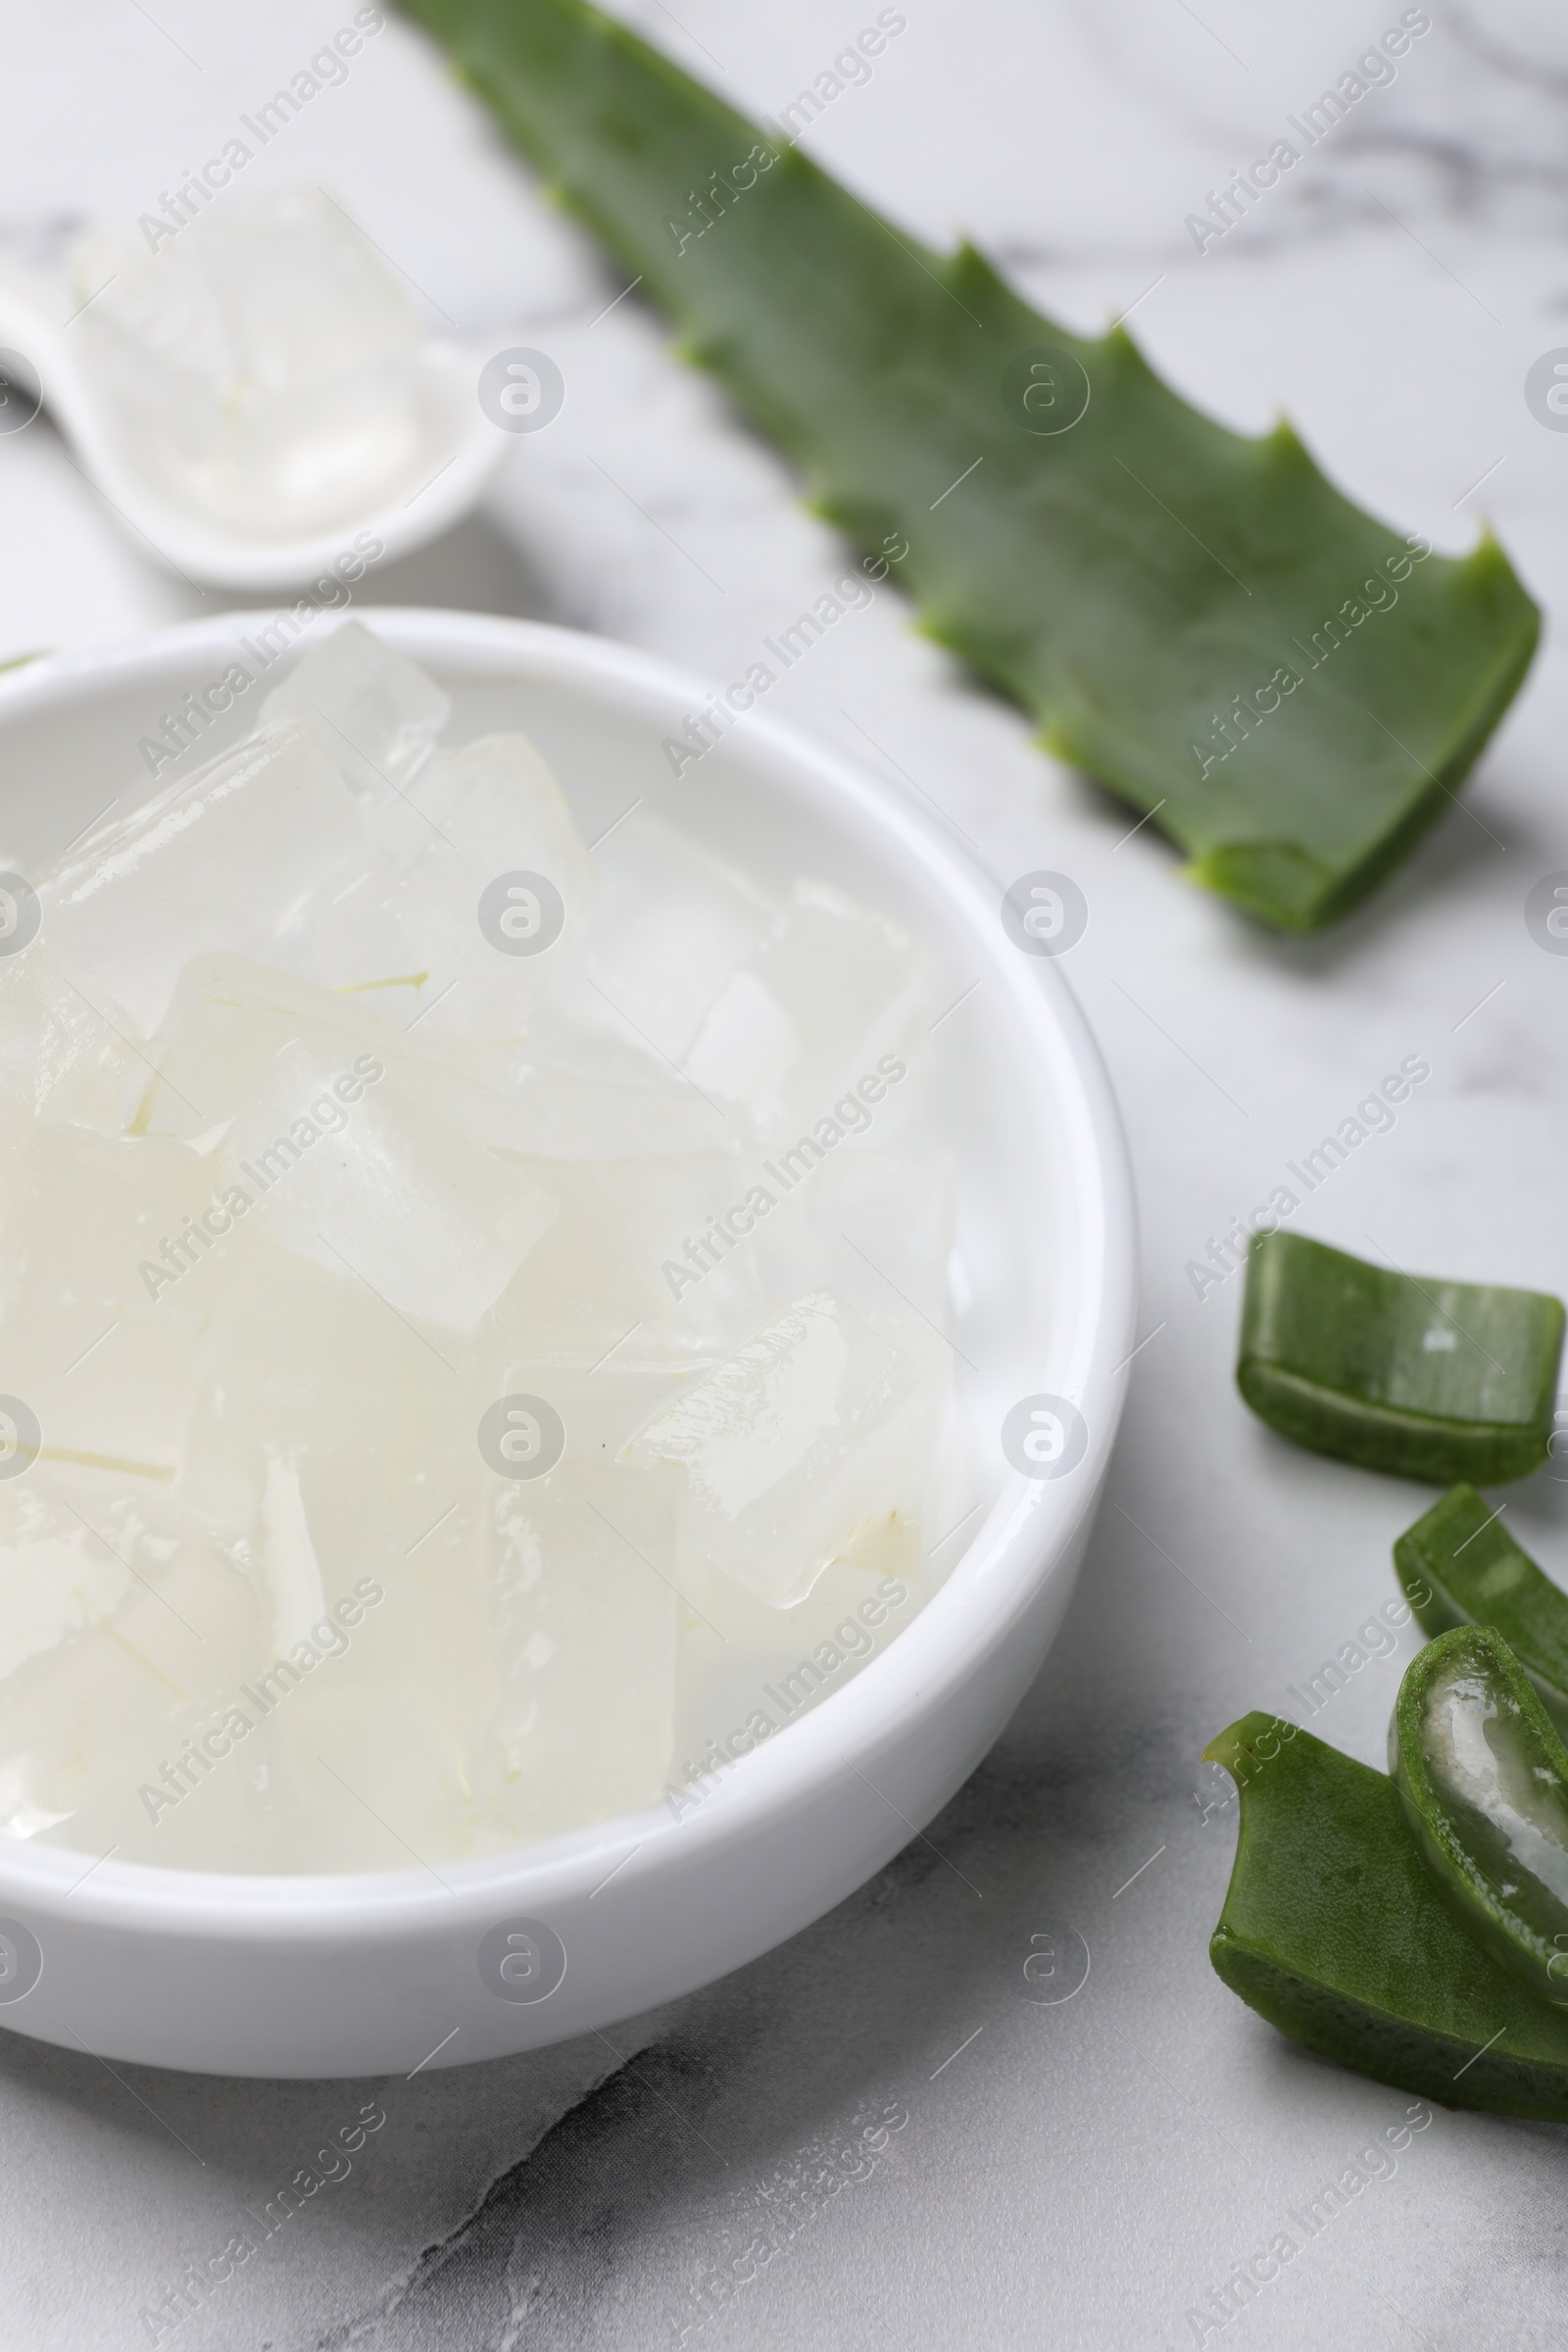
column 1080, row 2176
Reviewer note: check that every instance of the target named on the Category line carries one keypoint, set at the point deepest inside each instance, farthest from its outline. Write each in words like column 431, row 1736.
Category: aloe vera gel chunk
column 1402, row 1373
column 1484, row 1780
column 365, row 1420
column 1458, row 1565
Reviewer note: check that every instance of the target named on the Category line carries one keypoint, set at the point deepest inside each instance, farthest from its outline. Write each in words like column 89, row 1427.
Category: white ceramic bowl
column 368, row 1974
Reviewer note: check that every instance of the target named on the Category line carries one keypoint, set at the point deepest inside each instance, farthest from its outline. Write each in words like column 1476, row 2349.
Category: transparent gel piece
column 584, row 1640
column 874, row 1227
column 573, row 1090
column 747, row 1670
column 815, row 1434
column 584, row 1614
column 612, row 1281
column 378, row 715
column 475, row 896
column 350, row 1171
column 822, row 1003
column 773, row 1013
column 230, row 1020
column 58, row 1578
column 110, row 1275
column 67, row 1051
column 247, row 856
column 127, row 1638
column 335, row 1455
column 1484, row 1776
column 671, row 929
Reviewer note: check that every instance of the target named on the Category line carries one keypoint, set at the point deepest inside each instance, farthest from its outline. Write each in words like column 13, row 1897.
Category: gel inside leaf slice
column 1198, row 619
column 1334, row 1931
column 1484, row 1780
column 1399, row 1372
column 1458, row 1565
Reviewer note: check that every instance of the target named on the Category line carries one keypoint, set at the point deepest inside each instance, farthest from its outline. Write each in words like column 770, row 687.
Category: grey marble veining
column 872, row 2136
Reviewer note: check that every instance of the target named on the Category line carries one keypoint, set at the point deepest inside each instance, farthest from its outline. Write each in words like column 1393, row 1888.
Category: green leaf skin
column 1458, row 1565
column 1333, row 1931
column 1125, row 581
column 1398, row 1372
column 1483, row 1780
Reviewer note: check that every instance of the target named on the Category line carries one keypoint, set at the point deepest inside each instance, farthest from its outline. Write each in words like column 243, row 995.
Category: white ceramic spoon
column 463, row 450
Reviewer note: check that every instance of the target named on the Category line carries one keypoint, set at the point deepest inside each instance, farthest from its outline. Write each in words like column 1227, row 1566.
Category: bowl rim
column 1023, row 1539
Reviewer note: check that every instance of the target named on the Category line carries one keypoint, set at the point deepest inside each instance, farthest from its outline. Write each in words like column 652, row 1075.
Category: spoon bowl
column 461, row 449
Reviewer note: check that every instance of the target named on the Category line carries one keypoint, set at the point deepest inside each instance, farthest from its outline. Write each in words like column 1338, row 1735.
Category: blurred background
column 1088, row 2173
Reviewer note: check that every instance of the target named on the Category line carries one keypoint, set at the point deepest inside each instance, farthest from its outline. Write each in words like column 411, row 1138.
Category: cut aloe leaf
column 1484, row 1780
column 1458, row 1565
column 1333, row 1930
column 1398, row 1372
column 1290, row 687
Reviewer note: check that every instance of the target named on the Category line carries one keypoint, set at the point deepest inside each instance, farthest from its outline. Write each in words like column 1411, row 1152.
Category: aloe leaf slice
column 1333, row 1931
column 1458, row 1565
column 1199, row 619
column 1399, row 1372
column 1484, row 1780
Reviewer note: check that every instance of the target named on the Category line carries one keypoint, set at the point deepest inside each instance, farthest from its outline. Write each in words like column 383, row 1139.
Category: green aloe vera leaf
column 1399, row 1372
column 1458, row 1565
column 1484, row 1780
column 1333, row 1930
column 1198, row 619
